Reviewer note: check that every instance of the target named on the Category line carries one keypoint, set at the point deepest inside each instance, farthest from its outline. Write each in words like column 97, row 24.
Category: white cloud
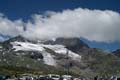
column 102, row 26
column 8, row 27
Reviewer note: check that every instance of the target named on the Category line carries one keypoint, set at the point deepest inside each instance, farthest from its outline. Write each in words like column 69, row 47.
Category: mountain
column 19, row 55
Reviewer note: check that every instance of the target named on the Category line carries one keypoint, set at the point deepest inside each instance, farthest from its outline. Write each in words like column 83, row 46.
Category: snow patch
column 1, row 47
column 49, row 59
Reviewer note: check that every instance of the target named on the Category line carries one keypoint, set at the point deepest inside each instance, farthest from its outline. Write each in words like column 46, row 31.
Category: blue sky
column 23, row 9
column 15, row 9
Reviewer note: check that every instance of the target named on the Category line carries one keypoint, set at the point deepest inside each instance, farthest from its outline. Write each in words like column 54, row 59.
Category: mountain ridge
column 52, row 55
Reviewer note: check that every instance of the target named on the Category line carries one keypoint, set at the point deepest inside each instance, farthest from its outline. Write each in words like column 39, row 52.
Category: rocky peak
column 74, row 44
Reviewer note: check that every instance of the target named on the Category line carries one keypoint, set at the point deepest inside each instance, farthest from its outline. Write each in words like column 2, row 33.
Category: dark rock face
column 49, row 42
column 117, row 52
column 36, row 55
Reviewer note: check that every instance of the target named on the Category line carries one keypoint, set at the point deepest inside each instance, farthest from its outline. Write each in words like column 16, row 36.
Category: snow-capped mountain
column 53, row 55
column 46, row 51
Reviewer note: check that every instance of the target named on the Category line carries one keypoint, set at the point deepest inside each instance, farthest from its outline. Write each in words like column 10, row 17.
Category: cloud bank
column 97, row 25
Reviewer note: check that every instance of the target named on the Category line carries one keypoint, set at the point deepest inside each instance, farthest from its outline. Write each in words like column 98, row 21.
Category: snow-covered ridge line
column 26, row 46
